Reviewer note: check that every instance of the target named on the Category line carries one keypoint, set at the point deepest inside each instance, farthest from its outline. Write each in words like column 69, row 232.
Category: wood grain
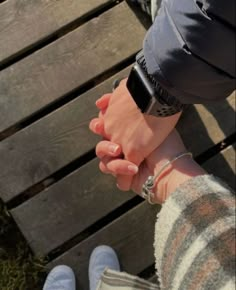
column 30, row 208
column 25, row 23
column 203, row 126
column 78, row 256
column 56, row 140
column 131, row 236
column 65, row 65
column 77, row 201
column 29, row 215
column 68, row 207
column 50, row 144
column 223, row 165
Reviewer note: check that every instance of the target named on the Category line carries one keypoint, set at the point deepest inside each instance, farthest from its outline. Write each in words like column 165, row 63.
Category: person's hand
column 167, row 182
column 121, row 122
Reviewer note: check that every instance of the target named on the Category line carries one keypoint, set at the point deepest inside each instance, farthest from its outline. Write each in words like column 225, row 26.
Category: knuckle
column 98, row 151
column 102, row 167
column 133, row 154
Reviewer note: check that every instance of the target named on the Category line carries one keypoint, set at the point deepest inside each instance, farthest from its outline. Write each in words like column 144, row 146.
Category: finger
column 109, row 166
column 101, row 114
column 139, row 179
column 116, row 166
column 107, row 148
column 121, row 167
column 103, row 102
column 96, row 125
column 133, row 156
column 124, row 182
column 103, row 168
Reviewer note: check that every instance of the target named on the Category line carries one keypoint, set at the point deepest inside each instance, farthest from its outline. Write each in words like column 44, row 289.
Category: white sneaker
column 101, row 258
column 60, row 278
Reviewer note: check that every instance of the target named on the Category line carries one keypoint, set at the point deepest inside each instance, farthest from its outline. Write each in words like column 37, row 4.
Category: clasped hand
column 131, row 139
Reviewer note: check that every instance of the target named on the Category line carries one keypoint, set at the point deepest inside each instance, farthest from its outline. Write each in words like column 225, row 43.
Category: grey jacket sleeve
column 190, row 49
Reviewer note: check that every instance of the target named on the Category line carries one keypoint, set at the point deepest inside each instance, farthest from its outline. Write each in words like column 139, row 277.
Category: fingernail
column 133, row 168
column 113, row 148
column 98, row 102
column 117, row 185
column 96, row 126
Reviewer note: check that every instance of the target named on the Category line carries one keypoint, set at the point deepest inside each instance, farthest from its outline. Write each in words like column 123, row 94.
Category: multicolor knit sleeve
column 195, row 237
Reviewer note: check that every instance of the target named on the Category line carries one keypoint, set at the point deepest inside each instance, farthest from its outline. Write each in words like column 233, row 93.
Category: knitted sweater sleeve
column 195, row 237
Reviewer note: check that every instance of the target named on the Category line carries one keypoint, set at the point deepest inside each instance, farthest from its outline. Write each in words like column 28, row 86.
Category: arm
column 195, row 236
column 190, row 49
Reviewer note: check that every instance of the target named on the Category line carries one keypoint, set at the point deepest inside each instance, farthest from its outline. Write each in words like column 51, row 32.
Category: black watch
column 148, row 94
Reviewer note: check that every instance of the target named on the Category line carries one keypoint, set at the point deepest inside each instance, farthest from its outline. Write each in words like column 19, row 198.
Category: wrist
column 176, row 174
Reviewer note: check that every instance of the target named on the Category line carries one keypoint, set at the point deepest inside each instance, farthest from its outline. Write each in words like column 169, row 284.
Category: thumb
column 103, row 102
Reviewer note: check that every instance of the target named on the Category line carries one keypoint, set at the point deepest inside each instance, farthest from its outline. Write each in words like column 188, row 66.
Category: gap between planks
column 46, row 155
column 64, row 66
column 41, row 147
column 44, row 204
column 40, row 23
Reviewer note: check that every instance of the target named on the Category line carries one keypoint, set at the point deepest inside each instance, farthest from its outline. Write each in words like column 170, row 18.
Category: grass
column 19, row 269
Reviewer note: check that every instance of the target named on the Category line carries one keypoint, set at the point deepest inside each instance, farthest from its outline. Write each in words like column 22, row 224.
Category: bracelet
column 149, row 183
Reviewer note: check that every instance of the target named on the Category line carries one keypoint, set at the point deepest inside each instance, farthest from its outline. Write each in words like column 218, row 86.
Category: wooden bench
column 56, row 59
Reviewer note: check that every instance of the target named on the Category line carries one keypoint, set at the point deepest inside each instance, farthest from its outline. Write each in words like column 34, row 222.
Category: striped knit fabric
column 195, row 237
column 112, row 280
column 194, row 241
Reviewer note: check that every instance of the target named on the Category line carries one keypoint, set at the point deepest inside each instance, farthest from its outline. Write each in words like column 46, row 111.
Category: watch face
column 140, row 88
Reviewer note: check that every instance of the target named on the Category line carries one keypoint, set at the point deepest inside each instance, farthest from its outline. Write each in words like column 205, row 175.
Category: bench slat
column 137, row 254
column 65, row 65
column 223, row 165
column 131, row 236
column 68, row 207
column 63, row 136
column 24, row 23
column 48, row 145
column 203, row 126
column 36, row 207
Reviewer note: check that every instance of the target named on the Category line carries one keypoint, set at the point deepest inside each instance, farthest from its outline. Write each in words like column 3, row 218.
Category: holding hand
column 167, row 182
column 121, row 122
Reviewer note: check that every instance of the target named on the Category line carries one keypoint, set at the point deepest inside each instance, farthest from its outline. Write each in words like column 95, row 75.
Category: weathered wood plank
column 68, row 207
column 223, row 165
column 38, row 207
column 24, row 23
column 131, row 236
column 40, row 149
column 78, row 256
column 203, row 126
column 30, row 208
column 48, row 145
column 68, row 63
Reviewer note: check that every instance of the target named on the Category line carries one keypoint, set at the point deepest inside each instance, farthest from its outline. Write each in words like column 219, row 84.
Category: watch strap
column 166, row 104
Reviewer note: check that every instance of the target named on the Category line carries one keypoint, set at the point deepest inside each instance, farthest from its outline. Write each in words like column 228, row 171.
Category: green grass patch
column 19, row 269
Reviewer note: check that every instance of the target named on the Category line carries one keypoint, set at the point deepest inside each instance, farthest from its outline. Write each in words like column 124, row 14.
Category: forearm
column 176, row 174
column 194, row 238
